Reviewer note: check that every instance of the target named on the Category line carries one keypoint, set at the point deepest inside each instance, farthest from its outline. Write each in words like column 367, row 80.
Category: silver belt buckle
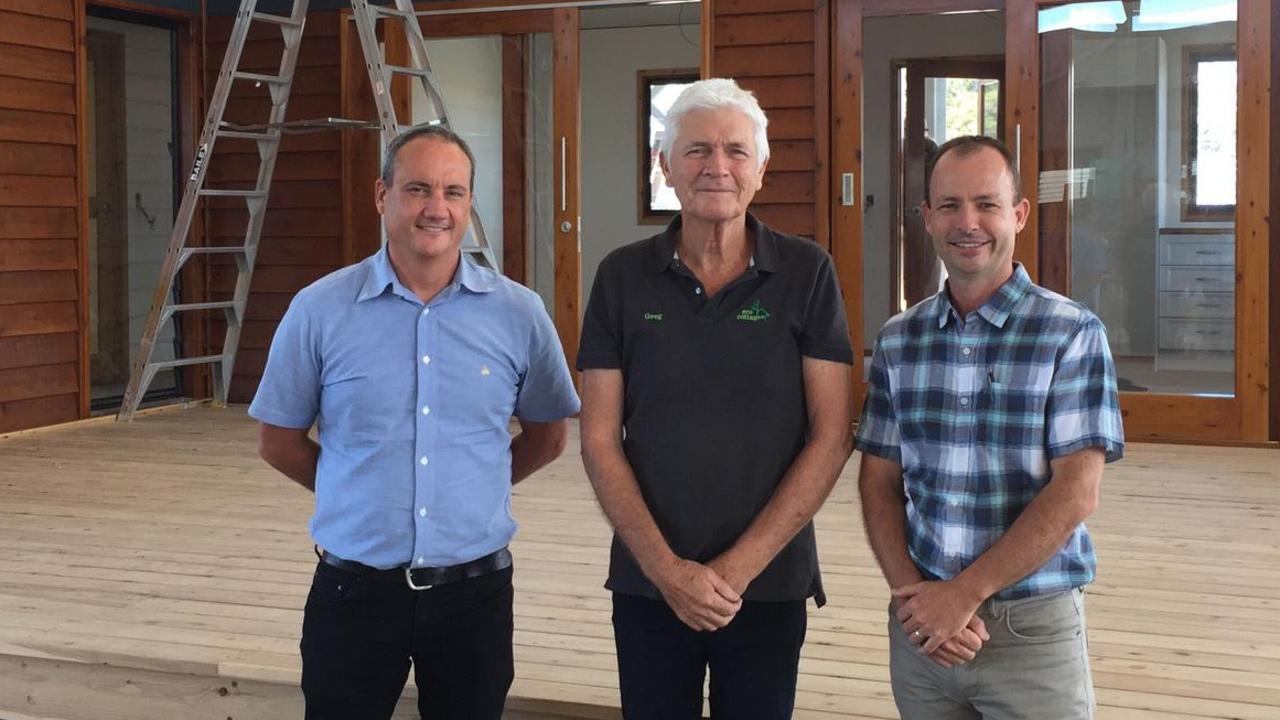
column 408, row 577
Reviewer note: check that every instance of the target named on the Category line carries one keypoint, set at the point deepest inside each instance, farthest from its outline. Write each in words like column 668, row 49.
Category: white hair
column 715, row 93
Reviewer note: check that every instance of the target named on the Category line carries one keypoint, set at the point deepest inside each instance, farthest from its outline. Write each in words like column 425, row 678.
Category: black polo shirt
column 714, row 410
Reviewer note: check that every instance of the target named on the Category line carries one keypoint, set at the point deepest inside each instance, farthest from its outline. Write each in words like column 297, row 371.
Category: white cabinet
column 1195, row 281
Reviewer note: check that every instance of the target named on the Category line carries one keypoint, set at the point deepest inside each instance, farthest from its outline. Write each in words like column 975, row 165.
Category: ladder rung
column 180, row 362
column 221, row 305
column 403, row 70
column 259, row 77
column 277, row 19
column 387, row 10
column 234, row 193
column 242, row 135
column 214, row 249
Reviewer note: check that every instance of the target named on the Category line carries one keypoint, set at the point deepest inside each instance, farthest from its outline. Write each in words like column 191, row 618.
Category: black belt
column 424, row 578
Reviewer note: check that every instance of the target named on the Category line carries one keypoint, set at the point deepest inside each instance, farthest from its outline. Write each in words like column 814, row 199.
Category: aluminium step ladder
column 267, row 137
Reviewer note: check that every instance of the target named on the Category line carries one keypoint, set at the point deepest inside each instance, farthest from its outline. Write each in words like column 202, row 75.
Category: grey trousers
column 1035, row 666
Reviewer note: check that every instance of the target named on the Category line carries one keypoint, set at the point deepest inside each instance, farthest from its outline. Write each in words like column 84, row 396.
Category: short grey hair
column 715, row 93
column 420, row 131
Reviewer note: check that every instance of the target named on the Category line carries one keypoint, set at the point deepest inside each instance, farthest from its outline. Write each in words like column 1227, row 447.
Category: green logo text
column 755, row 313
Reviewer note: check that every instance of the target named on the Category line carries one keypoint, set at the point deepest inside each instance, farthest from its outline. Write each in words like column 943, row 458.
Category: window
column 1209, row 140
column 658, row 89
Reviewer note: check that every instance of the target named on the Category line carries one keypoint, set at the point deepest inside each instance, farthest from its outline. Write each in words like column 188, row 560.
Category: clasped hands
column 941, row 618
column 704, row 596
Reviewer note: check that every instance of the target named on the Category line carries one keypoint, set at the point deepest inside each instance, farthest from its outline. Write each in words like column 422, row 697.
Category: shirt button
column 422, row 512
column 697, row 291
column 967, row 350
column 426, row 311
column 952, row 502
column 963, row 401
column 423, row 460
column 426, row 410
column 426, row 359
column 422, row 561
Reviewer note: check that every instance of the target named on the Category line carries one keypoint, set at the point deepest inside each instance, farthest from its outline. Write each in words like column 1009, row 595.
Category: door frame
column 1242, row 418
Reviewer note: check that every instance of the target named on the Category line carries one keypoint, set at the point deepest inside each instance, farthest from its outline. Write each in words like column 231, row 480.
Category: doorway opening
column 936, row 100
column 132, row 154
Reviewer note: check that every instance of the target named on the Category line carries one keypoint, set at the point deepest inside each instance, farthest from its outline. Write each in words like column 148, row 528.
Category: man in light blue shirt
column 410, row 364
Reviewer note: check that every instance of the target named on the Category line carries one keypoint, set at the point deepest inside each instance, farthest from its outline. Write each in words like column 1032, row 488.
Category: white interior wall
column 610, row 128
column 468, row 73
column 887, row 39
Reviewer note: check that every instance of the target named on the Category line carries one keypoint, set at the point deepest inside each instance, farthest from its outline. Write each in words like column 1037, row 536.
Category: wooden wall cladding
column 770, row 47
column 40, row 283
column 302, row 231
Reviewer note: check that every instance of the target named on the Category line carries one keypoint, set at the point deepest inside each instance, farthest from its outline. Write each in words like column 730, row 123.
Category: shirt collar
column 764, row 257
column 382, row 276
column 997, row 309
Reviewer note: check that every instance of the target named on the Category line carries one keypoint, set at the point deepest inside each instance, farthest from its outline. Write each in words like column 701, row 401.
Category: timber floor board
column 166, row 546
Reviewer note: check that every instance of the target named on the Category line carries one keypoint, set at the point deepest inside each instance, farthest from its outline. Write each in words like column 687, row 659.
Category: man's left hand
column 938, row 611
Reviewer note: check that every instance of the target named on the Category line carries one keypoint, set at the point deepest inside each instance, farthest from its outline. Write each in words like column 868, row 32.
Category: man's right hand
column 698, row 596
column 963, row 647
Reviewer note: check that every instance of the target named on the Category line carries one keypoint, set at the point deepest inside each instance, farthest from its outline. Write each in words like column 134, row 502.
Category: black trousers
column 662, row 662
column 359, row 632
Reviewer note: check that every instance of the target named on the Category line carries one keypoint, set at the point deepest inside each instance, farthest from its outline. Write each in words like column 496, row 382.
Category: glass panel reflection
column 1138, row 181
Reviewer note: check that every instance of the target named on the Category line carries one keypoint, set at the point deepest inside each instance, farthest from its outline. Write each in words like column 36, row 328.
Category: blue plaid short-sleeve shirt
column 975, row 408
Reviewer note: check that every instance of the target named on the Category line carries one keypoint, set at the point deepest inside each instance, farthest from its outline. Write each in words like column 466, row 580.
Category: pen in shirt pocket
column 991, row 377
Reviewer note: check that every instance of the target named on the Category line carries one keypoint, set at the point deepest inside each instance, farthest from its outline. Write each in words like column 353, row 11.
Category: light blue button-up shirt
column 412, row 404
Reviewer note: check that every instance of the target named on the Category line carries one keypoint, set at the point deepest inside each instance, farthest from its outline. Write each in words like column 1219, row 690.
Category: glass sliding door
column 1142, row 171
column 1138, row 182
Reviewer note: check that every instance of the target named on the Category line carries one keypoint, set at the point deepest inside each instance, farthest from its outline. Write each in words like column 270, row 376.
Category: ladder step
column 242, row 135
column 234, row 193
column 221, row 305
column 403, row 70
column 277, row 19
column 180, row 362
column 214, row 249
column 388, row 11
column 259, row 77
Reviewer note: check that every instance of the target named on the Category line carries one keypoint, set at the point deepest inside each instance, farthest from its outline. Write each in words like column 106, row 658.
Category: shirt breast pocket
column 1012, row 404
column 481, row 398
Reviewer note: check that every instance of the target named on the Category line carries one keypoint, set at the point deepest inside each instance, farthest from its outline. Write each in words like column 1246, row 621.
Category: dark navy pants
column 662, row 662
column 360, row 631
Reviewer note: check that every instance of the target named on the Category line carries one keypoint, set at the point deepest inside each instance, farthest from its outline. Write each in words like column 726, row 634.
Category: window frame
column 645, row 80
column 1192, row 56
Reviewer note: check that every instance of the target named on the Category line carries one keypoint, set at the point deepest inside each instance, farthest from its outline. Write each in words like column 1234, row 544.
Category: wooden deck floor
column 158, row 569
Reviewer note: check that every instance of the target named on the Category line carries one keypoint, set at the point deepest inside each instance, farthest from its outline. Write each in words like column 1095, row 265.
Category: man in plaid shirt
column 990, row 412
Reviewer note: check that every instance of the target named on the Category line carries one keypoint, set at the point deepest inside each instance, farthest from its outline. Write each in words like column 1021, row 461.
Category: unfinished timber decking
column 158, row 570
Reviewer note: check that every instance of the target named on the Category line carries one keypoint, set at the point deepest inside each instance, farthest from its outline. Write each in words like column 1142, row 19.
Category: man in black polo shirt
column 715, row 420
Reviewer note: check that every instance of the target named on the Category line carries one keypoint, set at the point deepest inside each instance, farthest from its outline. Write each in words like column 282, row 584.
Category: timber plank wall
column 40, row 211
column 302, row 232
column 768, row 46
